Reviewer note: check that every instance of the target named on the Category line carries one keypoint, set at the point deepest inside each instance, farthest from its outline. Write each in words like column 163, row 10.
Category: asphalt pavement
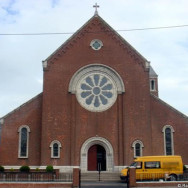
column 103, row 185
column 110, row 185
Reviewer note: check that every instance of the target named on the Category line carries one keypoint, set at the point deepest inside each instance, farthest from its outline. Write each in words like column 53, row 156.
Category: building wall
column 163, row 114
column 28, row 114
column 63, row 117
column 57, row 115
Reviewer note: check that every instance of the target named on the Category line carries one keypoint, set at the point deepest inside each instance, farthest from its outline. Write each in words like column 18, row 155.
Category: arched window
column 23, row 141
column 55, row 149
column 168, row 140
column 137, row 146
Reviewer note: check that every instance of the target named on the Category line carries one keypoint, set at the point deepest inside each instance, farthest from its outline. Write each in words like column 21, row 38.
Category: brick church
column 99, row 109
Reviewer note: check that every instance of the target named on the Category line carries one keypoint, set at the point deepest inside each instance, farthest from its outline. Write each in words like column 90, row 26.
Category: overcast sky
column 21, row 74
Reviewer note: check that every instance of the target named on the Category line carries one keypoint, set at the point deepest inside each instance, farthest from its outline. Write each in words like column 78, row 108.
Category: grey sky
column 21, row 57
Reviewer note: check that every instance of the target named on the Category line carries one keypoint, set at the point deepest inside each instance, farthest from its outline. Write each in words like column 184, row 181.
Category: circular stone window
column 96, row 44
column 96, row 92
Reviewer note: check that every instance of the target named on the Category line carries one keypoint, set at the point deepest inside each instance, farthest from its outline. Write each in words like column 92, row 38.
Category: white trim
column 96, row 40
column 100, row 141
column 1, row 121
column 59, row 147
column 147, row 64
column 141, row 146
column 172, row 138
column 44, row 64
column 154, row 85
column 78, row 75
column 19, row 144
column 63, row 169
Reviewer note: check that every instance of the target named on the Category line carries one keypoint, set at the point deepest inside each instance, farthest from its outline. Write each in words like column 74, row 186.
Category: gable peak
column 90, row 27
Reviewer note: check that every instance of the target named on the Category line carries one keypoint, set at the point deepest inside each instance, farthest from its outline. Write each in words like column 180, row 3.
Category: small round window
column 96, row 44
column 96, row 92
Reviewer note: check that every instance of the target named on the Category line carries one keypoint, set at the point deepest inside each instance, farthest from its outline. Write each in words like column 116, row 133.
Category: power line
column 151, row 28
column 122, row 30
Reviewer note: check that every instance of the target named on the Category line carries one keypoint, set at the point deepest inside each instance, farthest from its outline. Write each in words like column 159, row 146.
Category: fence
column 35, row 177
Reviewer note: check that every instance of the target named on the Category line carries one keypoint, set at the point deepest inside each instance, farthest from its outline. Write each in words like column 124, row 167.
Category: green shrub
column 37, row 169
column 24, row 169
column 49, row 168
column 2, row 169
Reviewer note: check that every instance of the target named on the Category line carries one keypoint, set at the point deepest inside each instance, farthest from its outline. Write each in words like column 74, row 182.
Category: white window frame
column 59, row 147
column 19, row 144
column 141, row 147
column 172, row 138
column 154, row 82
column 96, row 40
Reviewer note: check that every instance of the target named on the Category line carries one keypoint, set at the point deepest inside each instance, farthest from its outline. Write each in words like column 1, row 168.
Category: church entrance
column 96, row 158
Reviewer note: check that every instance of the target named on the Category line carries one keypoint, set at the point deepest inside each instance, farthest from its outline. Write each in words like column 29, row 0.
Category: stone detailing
column 90, row 27
column 98, row 68
column 100, row 141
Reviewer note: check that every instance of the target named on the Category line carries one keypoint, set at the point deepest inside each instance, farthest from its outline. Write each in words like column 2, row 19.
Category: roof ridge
column 71, row 37
column 123, row 39
column 175, row 110
column 119, row 38
column 21, row 105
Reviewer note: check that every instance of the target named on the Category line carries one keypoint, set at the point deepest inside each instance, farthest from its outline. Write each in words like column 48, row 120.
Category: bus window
column 152, row 164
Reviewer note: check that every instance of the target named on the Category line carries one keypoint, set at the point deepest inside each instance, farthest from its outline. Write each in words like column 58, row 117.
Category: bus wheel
column 173, row 177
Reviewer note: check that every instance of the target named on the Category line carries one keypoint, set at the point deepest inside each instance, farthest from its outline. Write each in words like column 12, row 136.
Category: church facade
column 99, row 109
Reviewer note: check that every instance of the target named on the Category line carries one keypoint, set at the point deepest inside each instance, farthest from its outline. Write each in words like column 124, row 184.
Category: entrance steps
column 104, row 176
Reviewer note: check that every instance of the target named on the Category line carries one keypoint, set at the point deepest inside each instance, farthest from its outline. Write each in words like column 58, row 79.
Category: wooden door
column 96, row 158
column 92, row 158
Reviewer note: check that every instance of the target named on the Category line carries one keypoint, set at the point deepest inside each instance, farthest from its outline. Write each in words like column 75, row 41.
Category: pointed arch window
column 138, row 148
column 23, row 148
column 168, row 140
column 55, row 149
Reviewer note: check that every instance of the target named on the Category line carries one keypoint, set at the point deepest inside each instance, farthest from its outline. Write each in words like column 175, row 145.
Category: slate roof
column 152, row 73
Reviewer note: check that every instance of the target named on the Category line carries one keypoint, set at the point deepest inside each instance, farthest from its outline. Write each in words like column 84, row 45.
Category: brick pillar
column 132, row 177
column 76, row 178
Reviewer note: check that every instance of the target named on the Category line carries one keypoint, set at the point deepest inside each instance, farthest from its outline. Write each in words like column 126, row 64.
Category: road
column 103, row 185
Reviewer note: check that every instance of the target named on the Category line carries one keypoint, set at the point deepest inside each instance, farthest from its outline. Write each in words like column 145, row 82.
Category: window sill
column 22, row 157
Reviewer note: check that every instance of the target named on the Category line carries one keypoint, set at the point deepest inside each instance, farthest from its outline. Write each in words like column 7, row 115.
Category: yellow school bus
column 156, row 167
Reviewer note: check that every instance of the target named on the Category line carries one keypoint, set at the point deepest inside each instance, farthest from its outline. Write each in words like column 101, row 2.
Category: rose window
column 96, row 92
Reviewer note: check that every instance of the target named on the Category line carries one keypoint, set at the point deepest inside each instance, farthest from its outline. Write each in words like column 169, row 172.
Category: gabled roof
column 167, row 105
column 104, row 27
column 24, row 104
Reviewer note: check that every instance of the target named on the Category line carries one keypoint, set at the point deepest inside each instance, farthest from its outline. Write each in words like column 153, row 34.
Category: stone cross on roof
column 96, row 6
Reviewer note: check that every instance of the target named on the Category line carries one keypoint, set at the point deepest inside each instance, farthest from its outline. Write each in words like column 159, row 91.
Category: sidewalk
column 103, row 184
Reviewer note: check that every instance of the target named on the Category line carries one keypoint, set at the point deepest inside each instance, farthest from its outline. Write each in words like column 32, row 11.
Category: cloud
column 21, row 56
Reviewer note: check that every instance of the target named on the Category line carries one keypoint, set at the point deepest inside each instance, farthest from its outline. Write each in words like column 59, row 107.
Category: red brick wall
column 56, row 114
column 64, row 119
column 28, row 114
column 162, row 115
